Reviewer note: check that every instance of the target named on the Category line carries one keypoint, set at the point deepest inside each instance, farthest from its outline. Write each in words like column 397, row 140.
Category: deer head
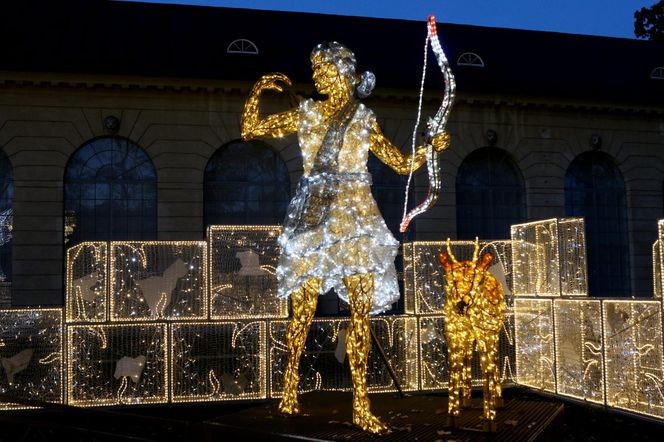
column 463, row 279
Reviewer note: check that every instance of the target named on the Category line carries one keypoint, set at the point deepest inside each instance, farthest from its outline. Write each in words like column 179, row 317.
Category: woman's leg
column 303, row 301
column 358, row 343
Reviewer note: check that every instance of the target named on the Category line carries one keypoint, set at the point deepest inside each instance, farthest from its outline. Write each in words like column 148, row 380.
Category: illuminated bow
column 435, row 126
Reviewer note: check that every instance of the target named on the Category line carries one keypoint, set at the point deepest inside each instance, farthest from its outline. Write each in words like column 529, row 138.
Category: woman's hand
column 272, row 82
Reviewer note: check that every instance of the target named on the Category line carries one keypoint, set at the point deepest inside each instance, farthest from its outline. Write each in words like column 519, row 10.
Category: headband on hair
column 344, row 60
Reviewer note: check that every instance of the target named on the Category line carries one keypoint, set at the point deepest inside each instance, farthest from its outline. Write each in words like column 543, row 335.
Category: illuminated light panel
column 433, row 357
column 534, row 340
column 158, row 280
column 323, row 365
column 549, row 258
column 657, row 273
column 579, row 349
column 31, row 348
column 117, row 364
column 243, row 261
column 86, row 291
column 218, row 361
column 573, row 267
column 634, row 365
column 424, row 277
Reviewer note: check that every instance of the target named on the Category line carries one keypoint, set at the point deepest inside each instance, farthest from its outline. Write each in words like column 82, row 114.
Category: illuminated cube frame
column 185, row 368
column 91, row 256
column 53, row 356
column 140, row 245
column 275, row 308
column 549, row 258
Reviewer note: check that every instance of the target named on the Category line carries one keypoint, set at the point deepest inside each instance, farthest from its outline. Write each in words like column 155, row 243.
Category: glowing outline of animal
column 157, row 290
column 474, row 312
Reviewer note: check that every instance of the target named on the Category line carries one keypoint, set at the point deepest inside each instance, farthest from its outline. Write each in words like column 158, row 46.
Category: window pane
column 108, row 181
column 595, row 190
column 490, row 195
column 246, row 183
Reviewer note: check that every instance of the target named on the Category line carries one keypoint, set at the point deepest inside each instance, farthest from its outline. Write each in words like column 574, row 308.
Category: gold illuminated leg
column 492, row 387
column 304, row 302
column 467, row 374
column 358, row 343
column 456, row 363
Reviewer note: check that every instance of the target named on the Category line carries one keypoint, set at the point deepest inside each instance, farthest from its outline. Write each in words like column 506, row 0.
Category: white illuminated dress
column 334, row 228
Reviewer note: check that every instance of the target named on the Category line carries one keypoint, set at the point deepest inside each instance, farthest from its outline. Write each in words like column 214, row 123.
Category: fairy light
column 218, row 361
column 634, row 361
column 158, row 280
column 549, row 258
column 243, row 261
column 534, row 339
column 86, row 282
column 91, row 364
column 579, row 349
column 32, row 362
column 474, row 314
column 657, row 273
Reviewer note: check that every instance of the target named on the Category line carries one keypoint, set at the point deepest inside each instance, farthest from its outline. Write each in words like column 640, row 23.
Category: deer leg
column 303, row 301
column 453, row 334
column 492, row 389
column 467, row 373
column 358, row 343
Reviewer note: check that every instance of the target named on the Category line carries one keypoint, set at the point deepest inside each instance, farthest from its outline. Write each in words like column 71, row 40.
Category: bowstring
column 417, row 124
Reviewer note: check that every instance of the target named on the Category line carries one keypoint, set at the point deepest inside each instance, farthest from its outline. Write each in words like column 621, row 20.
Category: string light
column 549, row 258
column 31, row 355
column 242, row 268
column 86, row 282
column 218, row 361
column 92, row 363
column 158, row 280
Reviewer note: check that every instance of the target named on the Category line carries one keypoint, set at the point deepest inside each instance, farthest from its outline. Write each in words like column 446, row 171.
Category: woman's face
column 326, row 77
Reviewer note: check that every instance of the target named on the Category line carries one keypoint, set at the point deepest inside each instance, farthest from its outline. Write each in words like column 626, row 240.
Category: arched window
column 490, row 195
column 246, row 183
column 595, row 189
column 110, row 193
column 242, row 46
column 6, row 217
column 388, row 190
column 470, row 59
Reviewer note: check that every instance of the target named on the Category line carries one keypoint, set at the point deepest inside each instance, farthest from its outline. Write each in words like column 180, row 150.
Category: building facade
column 136, row 136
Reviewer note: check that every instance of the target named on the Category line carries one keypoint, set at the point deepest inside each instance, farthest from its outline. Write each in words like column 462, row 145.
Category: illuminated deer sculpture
column 474, row 313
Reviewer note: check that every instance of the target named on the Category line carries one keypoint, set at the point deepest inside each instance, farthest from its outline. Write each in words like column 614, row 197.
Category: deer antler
column 449, row 252
column 476, row 253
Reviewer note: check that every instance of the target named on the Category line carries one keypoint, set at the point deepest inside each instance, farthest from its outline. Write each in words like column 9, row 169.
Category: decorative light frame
column 140, row 246
column 279, row 309
column 55, row 358
column 75, row 301
column 74, row 342
column 176, row 330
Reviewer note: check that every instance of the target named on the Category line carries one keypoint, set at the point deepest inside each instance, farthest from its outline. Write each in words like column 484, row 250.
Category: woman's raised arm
column 272, row 126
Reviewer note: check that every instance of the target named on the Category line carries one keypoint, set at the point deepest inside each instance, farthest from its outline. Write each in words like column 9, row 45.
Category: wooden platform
column 414, row 418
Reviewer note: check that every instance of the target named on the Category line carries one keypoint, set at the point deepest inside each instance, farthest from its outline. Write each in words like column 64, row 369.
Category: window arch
column 657, row 73
column 246, row 183
column 490, row 195
column 242, row 46
column 470, row 59
column 6, row 217
column 110, row 192
column 595, row 189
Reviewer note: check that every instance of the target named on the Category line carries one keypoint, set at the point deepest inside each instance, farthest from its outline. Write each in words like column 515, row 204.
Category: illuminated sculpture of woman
column 334, row 235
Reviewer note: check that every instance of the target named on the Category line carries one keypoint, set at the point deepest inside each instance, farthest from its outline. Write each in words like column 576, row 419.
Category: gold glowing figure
column 474, row 315
column 334, row 236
